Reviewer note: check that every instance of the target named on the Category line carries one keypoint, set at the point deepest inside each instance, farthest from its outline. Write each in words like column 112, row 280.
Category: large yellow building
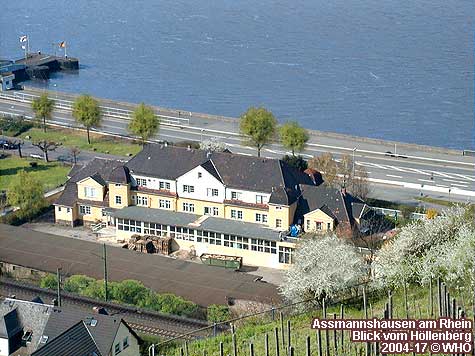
column 220, row 203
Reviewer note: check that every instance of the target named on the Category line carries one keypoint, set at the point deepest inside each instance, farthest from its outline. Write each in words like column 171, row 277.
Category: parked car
column 8, row 145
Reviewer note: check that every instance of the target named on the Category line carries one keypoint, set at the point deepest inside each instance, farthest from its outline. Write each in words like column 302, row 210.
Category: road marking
column 418, row 171
column 454, row 181
column 398, row 169
column 442, row 174
column 465, row 177
column 460, row 185
column 390, row 175
column 426, row 180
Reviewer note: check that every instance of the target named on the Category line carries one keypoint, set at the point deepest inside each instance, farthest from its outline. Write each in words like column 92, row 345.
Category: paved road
column 413, row 170
column 201, row 284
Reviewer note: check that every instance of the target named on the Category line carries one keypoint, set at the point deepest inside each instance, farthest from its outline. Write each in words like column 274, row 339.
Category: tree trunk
column 44, row 123
column 46, row 155
column 258, row 151
column 19, row 151
column 88, row 138
column 293, row 152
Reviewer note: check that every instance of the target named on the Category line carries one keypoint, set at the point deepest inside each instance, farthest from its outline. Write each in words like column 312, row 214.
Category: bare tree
column 46, row 146
column 75, row 153
column 18, row 144
column 327, row 166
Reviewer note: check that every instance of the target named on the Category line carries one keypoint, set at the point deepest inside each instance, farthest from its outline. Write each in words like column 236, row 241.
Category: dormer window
column 236, row 196
column 141, row 182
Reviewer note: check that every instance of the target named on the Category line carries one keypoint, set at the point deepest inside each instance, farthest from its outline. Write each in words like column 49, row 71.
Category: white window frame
column 90, row 192
column 162, row 185
column 188, row 207
column 236, row 214
column 84, row 210
column 142, row 182
column 212, row 192
column 118, row 201
column 164, row 204
column 188, row 188
column 260, row 199
column 278, row 223
column 236, row 195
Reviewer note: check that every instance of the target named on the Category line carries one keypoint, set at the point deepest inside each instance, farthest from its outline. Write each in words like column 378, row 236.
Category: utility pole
column 58, row 286
column 104, row 257
column 354, row 150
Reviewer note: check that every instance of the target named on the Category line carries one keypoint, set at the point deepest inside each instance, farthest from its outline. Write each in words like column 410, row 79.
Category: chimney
column 208, row 154
column 166, row 144
column 188, row 148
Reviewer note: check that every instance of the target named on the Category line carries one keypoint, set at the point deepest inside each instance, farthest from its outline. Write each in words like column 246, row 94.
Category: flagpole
column 65, row 49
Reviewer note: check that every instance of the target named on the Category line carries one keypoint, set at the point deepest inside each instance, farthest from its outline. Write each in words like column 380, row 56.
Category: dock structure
column 35, row 66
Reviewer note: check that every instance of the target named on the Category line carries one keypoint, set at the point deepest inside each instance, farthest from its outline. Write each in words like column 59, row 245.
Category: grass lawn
column 50, row 174
column 75, row 138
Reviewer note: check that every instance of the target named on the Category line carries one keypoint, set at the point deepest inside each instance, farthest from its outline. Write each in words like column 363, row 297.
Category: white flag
column 23, row 47
column 23, row 39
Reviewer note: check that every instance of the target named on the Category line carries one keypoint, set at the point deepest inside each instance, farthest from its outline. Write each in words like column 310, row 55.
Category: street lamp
column 354, row 150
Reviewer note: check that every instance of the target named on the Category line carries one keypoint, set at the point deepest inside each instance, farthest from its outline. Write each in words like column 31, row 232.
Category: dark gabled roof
column 120, row 175
column 166, row 162
column 76, row 168
column 209, row 166
column 233, row 170
column 75, row 341
column 10, row 324
column 99, row 169
column 29, row 316
column 331, row 201
column 98, row 178
column 69, row 195
column 103, row 333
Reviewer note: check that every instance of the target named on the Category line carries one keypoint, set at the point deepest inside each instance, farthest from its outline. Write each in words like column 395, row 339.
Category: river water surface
column 399, row 70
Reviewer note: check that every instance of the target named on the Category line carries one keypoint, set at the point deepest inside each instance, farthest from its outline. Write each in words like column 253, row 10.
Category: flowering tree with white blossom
column 440, row 247
column 323, row 267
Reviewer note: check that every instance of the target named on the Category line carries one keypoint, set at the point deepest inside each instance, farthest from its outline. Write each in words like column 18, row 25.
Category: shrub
column 14, row 126
column 431, row 213
column 49, row 281
column 217, row 313
column 78, row 283
column 130, row 292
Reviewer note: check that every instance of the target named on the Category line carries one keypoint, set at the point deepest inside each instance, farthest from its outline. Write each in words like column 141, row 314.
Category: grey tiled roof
column 9, row 324
column 103, row 333
column 214, row 224
column 75, row 341
column 30, row 316
column 99, row 169
column 330, row 200
column 234, row 170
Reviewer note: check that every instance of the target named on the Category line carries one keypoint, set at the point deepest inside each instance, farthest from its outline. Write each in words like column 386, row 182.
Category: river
column 398, row 70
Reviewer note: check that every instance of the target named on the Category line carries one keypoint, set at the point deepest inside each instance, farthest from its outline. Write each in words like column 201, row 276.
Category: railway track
column 141, row 320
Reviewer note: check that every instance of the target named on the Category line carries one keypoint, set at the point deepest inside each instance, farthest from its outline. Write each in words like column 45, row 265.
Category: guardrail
column 106, row 110
column 396, row 213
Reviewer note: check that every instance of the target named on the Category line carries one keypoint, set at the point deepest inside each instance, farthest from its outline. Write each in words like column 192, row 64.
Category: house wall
column 250, row 257
column 153, row 183
column 92, row 184
column 246, row 195
column 62, row 216
column 95, row 216
column 133, row 348
column 282, row 212
column 248, row 214
column 318, row 216
column 4, row 349
column 201, row 185
column 199, row 206
column 122, row 190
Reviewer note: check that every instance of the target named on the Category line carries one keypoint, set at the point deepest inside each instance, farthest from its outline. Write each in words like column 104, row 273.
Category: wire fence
column 287, row 340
